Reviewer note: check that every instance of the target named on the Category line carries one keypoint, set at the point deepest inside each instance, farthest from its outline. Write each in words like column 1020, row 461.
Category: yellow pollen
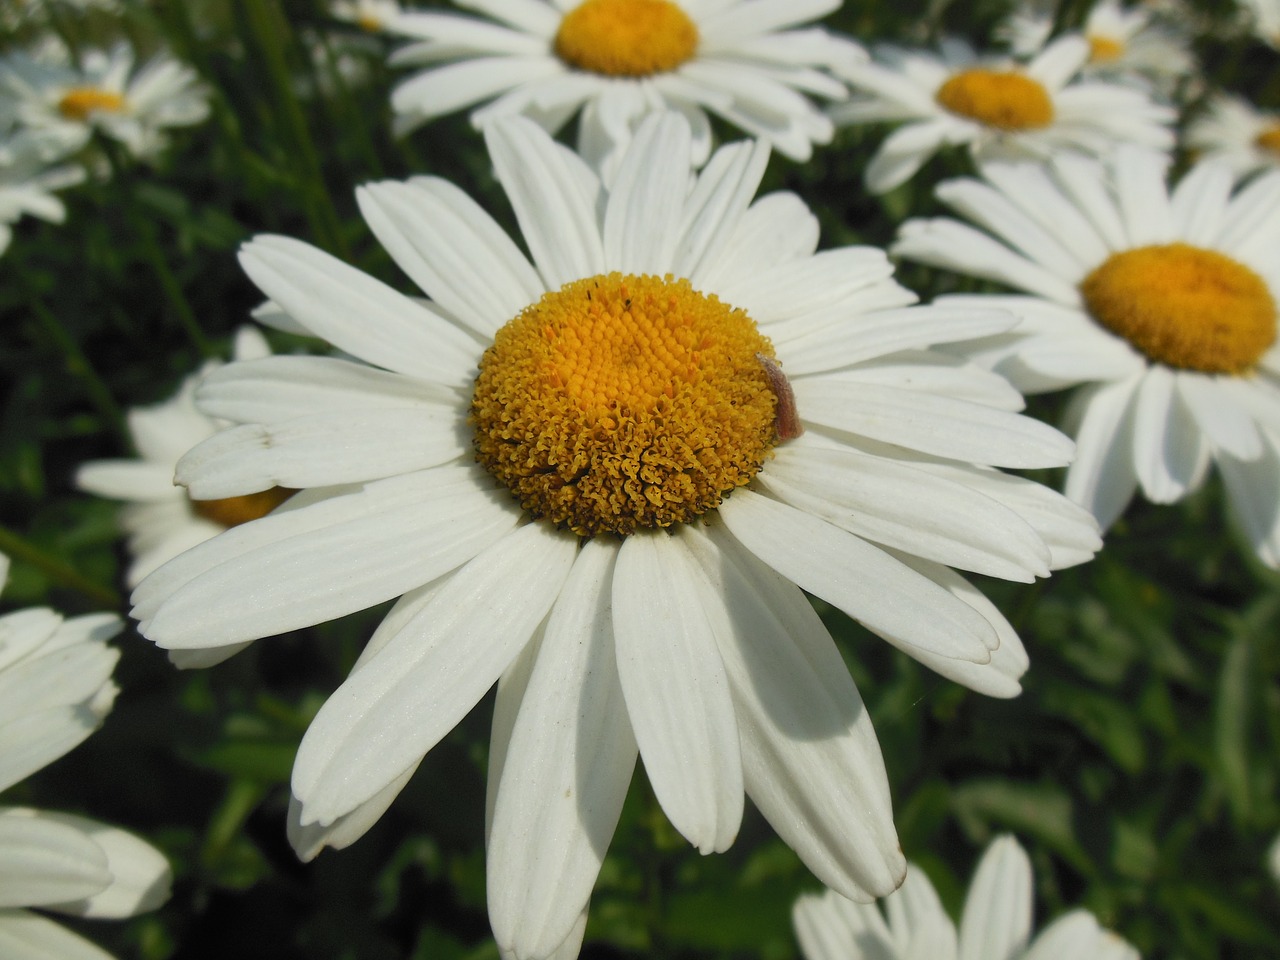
column 626, row 38
column 1184, row 306
column 78, row 102
column 618, row 403
column 1269, row 139
column 1003, row 99
column 1104, row 49
column 233, row 511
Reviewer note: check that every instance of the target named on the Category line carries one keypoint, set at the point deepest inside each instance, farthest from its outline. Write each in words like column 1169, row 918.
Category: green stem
column 171, row 287
column 19, row 548
column 241, row 798
column 270, row 30
column 78, row 366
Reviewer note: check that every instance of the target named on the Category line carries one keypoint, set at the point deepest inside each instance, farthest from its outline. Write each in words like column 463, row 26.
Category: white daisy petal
column 570, row 760
column 299, row 453
column 676, row 691
column 278, row 573
column 430, row 674
column 280, row 389
column 1221, row 418
column 554, row 197
column 879, row 499
column 810, row 756
column 1103, row 476
column 996, row 922
column 945, row 428
column 1200, row 201
column 886, row 597
column 1167, row 449
column 1144, row 204
column 46, row 861
column 357, row 313
column 464, row 261
column 29, row 936
column 646, row 199
column 1077, row 934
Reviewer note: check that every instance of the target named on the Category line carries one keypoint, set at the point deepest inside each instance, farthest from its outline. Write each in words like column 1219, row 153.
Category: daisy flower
column 1001, row 108
column 106, row 94
column 1123, row 41
column 55, row 689
column 161, row 520
column 618, row 60
column 1233, row 131
column 372, row 16
column 588, row 478
column 1264, row 19
column 1160, row 305
column 27, row 183
column 995, row 924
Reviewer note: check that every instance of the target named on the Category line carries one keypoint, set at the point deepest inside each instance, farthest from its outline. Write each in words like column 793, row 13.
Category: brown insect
column 786, row 421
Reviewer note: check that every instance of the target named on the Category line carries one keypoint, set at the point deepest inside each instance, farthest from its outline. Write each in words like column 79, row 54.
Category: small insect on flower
column 786, row 422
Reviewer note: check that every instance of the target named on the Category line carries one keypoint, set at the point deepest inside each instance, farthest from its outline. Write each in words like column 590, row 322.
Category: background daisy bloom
column 1232, row 131
column 161, row 520
column 372, row 16
column 1162, row 304
column 995, row 925
column 55, row 689
column 1001, row 108
column 1123, row 41
column 106, row 94
column 539, row 462
column 27, row 182
column 619, row 60
column 1264, row 19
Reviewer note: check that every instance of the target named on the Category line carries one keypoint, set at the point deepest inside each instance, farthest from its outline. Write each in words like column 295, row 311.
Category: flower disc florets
column 624, row 402
column 233, row 511
column 1184, row 306
column 626, row 38
column 78, row 103
column 1004, row 99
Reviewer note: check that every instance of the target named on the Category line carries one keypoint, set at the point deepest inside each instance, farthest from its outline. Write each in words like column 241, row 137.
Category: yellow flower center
column 1004, row 99
column 626, row 38
column 233, row 511
column 78, row 102
column 1184, row 307
column 1104, row 49
column 624, row 402
column 1269, row 139
column 369, row 23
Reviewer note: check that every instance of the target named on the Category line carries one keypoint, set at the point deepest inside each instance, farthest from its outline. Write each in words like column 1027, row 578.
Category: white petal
column 299, row 567
column 441, row 90
column 884, row 500
column 139, row 873
column 920, row 925
column 676, row 692
column 889, row 599
column 276, row 389
column 1200, row 201
column 128, row 479
column 1227, row 425
column 831, row 927
column 323, row 450
column 555, row 198
column 1251, row 489
column 309, row 839
column 1167, row 446
column 953, row 429
column 567, row 768
column 810, row 756
column 357, row 313
column 37, row 739
column 452, row 249
column 45, row 861
column 904, row 152
column 647, row 199
column 1140, row 188
column 884, row 332
column 1077, row 934
column 997, row 911
column 1102, row 478
column 29, row 936
column 398, row 705
column 716, row 209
